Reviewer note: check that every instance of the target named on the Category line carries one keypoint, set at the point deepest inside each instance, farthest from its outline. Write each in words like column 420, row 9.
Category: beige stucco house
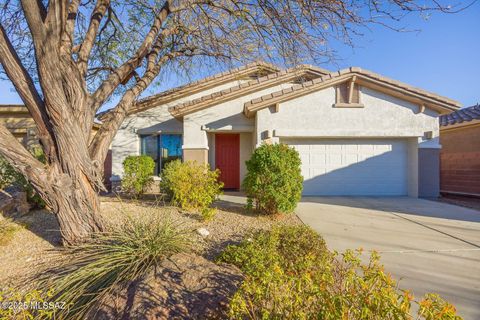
column 357, row 132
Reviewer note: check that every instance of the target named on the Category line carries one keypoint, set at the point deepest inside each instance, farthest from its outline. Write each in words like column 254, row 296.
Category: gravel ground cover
column 32, row 247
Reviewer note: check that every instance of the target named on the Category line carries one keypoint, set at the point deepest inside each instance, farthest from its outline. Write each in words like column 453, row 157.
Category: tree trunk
column 77, row 207
column 78, row 219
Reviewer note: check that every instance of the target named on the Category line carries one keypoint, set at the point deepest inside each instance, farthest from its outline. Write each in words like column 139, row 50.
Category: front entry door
column 227, row 159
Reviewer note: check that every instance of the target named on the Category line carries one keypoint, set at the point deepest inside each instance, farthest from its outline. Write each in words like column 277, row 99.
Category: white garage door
column 353, row 166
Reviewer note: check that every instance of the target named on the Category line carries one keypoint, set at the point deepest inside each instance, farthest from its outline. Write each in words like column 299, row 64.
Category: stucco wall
column 313, row 115
column 460, row 159
column 224, row 117
column 127, row 139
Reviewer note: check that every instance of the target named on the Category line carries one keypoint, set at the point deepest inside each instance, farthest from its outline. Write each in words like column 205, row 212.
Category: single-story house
column 357, row 132
column 460, row 153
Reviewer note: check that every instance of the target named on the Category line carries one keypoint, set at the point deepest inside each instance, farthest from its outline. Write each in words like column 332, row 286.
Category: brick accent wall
column 460, row 160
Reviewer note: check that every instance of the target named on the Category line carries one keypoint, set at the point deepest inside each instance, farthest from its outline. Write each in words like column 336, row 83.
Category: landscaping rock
column 14, row 203
column 203, row 232
column 185, row 286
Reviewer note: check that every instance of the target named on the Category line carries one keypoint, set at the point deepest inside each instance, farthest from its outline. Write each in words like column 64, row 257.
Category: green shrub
column 111, row 260
column 291, row 275
column 138, row 172
column 10, row 177
column 191, row 186
column 273, row 182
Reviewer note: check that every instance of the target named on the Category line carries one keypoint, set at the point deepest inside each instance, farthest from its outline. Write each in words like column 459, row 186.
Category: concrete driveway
column 430, row 246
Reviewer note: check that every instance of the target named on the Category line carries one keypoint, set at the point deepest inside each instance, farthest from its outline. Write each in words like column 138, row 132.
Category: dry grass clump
column 111, row 260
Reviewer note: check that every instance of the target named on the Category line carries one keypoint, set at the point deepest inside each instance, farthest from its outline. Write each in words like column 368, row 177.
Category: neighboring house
column 460, row 154
column 357, row 132
column 19, row 122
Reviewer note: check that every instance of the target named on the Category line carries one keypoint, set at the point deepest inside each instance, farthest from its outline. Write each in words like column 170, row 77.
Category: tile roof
column 461, row 115
column 269, row 80
column 199, row 85
column 334, row 78
column 202, row 84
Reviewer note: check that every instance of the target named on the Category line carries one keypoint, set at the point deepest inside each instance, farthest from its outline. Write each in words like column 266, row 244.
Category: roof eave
column 203, row 84
column 341, row 76
column 266, row 82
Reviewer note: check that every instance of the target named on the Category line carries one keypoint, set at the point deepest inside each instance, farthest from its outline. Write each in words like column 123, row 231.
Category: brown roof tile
column 203, row 84
column 460, row 116
column 286, row 94
column 259, row 83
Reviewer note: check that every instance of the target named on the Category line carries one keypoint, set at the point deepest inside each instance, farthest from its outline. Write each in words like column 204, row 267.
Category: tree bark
column 64, row 111
column 71, row 197
column 77, row 207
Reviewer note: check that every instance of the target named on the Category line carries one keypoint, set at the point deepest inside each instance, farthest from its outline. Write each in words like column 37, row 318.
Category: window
column 162, row 148
column 346, row 96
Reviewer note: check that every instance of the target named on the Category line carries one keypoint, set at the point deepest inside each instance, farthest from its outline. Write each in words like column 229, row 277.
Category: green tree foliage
column 138, row 172
column 274, row 182
column 191, row 186
column 290, row 274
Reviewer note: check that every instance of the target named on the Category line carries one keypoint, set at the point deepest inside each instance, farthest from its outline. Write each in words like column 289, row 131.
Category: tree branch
column 25, row 87
column 106, row 89
column 99, row 146
column 16, row 154
column 34, row 11
column 87, row 45
column 68, row 36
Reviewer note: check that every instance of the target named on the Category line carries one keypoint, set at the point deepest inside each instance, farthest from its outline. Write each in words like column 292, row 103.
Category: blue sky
column 443, row 57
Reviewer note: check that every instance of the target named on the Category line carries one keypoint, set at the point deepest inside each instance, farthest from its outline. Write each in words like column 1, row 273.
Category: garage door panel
column 353, row 166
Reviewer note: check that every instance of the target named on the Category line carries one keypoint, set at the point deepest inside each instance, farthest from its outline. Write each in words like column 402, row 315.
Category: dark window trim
column 158, row 146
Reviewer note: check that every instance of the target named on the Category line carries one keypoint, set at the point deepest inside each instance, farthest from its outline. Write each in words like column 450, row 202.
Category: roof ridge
column 352, row 70
column 247, row 66
column 282, row 72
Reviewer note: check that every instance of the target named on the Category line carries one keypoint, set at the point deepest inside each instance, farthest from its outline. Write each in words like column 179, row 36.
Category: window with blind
column 162, row 148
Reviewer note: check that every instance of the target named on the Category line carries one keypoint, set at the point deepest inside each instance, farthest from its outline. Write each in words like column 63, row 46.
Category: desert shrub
column 191, row 186
column 10, row 177
column 433, row 307
column 7, row 231
column 273, row 183
column 138, row 172
column 291, row 275
column 111, row 260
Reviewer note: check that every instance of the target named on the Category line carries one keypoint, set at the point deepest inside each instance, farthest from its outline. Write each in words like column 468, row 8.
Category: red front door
column 227, row 159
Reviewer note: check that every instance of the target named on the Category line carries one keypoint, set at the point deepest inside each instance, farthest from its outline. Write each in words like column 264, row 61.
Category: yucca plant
column 111, row 260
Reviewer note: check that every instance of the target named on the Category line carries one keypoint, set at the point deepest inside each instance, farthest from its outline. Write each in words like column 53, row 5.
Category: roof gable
column 359, row 76
column 299, row 73
column 249, row 70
